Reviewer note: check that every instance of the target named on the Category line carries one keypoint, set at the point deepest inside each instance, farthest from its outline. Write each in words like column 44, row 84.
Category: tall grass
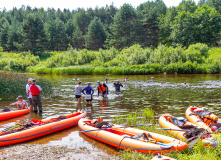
column 14, row 84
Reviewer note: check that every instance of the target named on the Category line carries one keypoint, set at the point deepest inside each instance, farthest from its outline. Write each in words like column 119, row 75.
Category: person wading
column 102, row 89
column 29, row 93
column 89, row 92
column 36, row 98
column 78, row 90
column 21, row 104
column 117, row 85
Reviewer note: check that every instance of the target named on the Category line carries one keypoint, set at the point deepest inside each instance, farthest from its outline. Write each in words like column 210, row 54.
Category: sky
column 74, row 4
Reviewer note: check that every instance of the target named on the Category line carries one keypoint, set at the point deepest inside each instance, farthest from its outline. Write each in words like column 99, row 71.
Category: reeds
column 14, row 84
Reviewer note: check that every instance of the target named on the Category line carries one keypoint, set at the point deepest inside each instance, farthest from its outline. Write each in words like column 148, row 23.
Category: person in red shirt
column 36, row 98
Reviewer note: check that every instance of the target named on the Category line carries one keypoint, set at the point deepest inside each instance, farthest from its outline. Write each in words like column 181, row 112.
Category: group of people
column 33, row 93
column 88, row 90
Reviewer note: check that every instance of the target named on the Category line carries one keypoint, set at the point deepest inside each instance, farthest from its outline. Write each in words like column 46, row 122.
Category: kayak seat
column 145, row 136
column 6, row 110
column 61, row 117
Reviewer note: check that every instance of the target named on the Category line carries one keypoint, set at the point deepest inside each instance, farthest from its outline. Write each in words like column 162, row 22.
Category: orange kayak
column 13, row 114
column 203, row 118
column 184, row 130
column 131, row 139
column 47, row 126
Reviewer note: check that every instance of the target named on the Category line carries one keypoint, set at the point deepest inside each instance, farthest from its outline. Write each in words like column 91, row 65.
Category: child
column 21, row 104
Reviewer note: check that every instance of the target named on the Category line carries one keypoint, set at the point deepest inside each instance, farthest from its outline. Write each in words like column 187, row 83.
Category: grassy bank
column 197, row 58
column 198, row 152
column 13, row 84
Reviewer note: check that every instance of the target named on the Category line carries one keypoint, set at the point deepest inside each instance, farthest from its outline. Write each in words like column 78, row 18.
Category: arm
column 13, row 103
column 26, row 104
column 121, row 85
column 92, row 90
column 83, row 90
column 39, row 88
column 27, row 89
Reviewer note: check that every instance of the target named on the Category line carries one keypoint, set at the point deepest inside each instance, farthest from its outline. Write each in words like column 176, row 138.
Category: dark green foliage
column 96, row 35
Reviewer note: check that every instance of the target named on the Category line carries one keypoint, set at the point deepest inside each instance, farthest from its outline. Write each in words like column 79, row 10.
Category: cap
column 19, row 97
column 29, row 79
column 98, row 82
column 33, row 80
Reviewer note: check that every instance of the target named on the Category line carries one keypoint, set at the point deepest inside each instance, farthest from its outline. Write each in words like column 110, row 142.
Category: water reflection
column 138, row 92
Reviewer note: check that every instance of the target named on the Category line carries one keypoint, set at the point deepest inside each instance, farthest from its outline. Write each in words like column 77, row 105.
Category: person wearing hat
column 21, row 104
column 36, row 98
column 117, row 85
column 29, row 93
column 102, row 89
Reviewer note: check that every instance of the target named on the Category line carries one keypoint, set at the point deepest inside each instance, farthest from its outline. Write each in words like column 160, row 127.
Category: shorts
column 88, row 100
column 77, row 96
column 103, row 94
column 30, row 101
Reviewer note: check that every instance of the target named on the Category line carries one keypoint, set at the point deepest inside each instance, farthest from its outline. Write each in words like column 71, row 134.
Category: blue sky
column 74, row 4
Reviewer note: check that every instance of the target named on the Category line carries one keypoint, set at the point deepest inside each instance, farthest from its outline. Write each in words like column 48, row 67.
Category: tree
column 148, row 14
column 34, row 33
column 96, row 35
column 4, row 33
column 122, row 30
column 214, row 4
column 78, row 39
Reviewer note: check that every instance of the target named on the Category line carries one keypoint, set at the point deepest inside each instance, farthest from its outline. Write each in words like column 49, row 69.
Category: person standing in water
column 102, row 89
column 89, row 92
column 36, row 98
column 78, row 90
column 28, row 92
column 117, row 85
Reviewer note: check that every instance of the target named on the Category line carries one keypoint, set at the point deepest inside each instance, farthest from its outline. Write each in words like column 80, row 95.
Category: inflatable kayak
column 182, row 129
column 39, row 128
column 203, row 118
column 129, row 138
column 7, row 114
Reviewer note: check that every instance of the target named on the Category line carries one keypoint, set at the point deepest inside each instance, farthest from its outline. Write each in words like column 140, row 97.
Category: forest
column 151, row 24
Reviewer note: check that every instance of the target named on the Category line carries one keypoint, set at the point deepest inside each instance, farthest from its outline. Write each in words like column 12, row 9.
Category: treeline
column 151, row 23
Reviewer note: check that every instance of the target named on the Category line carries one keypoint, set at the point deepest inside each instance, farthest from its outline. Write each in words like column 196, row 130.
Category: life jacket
column 34, row 90
column 102, row 88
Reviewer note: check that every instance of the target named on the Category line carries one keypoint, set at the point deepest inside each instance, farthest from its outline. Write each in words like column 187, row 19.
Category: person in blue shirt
column 89, row 92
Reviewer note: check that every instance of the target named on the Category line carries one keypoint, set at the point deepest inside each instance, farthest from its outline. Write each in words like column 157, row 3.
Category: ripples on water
column 138, row 92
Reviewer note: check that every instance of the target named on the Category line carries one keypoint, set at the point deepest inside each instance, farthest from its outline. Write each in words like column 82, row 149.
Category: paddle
column 116, row 127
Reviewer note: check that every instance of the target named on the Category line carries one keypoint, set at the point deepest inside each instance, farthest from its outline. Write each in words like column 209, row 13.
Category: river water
column 138, row 92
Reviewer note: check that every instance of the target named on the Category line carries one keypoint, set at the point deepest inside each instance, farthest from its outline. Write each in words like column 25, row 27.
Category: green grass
column 146, row 116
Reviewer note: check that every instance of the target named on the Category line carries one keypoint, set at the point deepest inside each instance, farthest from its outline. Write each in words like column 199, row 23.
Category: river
column 138, row 92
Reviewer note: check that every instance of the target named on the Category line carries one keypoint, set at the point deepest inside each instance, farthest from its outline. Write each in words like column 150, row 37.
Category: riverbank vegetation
column 198, row 152
column 12, row 85
column 197, row 58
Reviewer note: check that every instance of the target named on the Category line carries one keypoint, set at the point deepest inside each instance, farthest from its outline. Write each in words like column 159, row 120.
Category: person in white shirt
column 29, row 93
column 21, row 104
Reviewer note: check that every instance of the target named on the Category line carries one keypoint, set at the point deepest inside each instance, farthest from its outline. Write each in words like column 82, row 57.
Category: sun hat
column 29, row 79
column 19, row 97
column 98, row 82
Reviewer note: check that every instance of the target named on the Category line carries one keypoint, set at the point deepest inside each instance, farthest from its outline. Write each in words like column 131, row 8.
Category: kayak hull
column 13, row 114
column 41, row 130
column 120, row 141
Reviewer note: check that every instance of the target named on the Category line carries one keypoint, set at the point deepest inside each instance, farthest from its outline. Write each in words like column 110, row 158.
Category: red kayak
column 13, row 113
